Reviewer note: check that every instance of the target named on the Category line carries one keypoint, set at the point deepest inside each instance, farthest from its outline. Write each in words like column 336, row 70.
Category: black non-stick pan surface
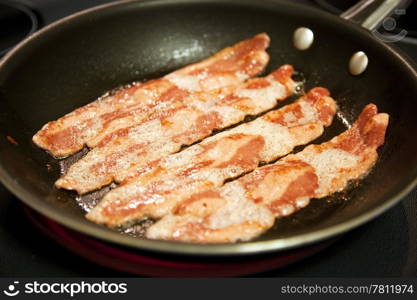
column 72, row 62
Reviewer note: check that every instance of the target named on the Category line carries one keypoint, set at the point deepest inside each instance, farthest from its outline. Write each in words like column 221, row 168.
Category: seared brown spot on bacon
column 275, row 186
column 247, row 156
column 203, row 126
column 326, row 114
column 258, row 83
column 365, row 132
column 152, row 169
column 317, row 93
column 374, row 132
column 237, row 55
column 161, row 115
column 185, row 205
column 105, row 166
column 174, row 94
column 149, row 195
column 113, row 135
column 194, row 168
column 149, row 199
column 367, row 113
column 201, row 233
column 350, row 142
column 280, row 118
column 66, row 138
column 303, row 187
column 254, row 181
column 283, row 73
column 318, row 97
column 230, row 99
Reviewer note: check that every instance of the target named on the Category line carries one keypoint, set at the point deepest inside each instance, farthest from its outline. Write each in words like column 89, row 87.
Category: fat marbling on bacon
column 93, row 122
column 153, row 190
column 167, row 131
column 245, row 208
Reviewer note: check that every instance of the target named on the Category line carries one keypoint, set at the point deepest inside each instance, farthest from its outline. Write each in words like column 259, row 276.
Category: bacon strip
column 92, row 122
column 236, row 211
column 155, row 189
column 165, row 134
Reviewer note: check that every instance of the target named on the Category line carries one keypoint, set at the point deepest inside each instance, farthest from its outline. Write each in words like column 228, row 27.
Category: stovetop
column 384, row 247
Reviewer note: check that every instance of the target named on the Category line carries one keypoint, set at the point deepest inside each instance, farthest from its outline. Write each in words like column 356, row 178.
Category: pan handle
column 371, row 13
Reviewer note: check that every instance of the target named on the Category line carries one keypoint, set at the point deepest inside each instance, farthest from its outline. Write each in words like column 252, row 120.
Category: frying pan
column 75, row 60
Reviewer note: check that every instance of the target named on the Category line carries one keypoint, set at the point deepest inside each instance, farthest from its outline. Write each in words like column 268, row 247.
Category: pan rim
column 246, row 248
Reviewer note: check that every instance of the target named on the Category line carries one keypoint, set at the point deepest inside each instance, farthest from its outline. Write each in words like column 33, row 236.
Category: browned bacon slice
column 236, row 211
column 223, row 215
column 155, row 189
column 230, row 66
column 166, row 133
